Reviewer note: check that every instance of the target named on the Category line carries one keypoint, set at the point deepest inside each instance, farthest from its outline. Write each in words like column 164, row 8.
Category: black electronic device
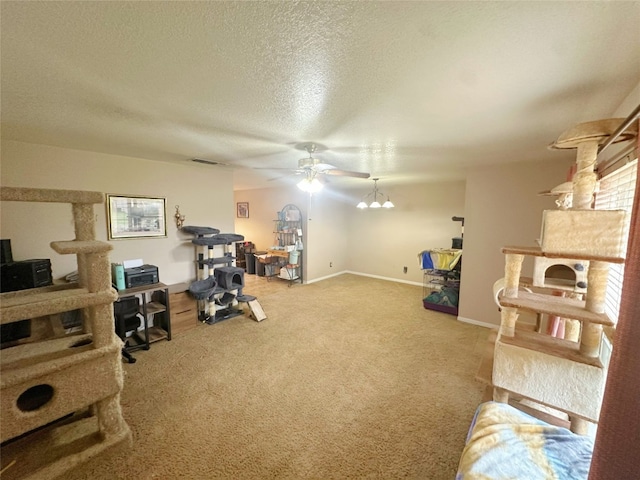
column 142, row 275
column 11, row 332
column 5, row 251
column 25, row 274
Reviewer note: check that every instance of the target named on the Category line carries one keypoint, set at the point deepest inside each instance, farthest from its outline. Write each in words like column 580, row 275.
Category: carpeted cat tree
column 61, row 395
column 566, row 375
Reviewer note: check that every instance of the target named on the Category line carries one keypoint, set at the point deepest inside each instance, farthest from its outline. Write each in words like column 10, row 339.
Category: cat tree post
column 584, row 180
column 83, row 222
column 509, row 316
column 592, row 333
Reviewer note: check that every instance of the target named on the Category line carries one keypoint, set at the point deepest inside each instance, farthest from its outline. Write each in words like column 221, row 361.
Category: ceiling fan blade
column 345, row 173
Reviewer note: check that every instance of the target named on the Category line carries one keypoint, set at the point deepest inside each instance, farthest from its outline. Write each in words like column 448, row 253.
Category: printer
column 142, row 275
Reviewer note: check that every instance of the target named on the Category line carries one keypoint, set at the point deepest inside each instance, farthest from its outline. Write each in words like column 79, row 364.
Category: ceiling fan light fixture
column 375, row 203
column 310, row 185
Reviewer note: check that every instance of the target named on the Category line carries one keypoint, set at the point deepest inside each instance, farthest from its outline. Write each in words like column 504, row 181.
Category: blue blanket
column 505, row 443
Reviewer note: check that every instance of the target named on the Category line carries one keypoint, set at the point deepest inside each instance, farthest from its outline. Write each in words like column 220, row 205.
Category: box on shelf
column 289, row 272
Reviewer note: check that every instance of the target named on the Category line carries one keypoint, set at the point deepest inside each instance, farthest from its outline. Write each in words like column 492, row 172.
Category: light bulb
column 388, row 204
column 362, row 205
column 375, row 204
column 310, row 186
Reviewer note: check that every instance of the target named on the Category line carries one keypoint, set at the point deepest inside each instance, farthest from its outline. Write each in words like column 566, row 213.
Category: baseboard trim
column 388, row 279
column 478, row 322
column 326, row 277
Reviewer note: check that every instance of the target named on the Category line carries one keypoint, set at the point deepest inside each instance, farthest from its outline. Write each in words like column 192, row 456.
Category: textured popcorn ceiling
column 404, row 90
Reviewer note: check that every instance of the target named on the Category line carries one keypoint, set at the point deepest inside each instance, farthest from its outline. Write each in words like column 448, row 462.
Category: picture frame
column 242, row 210
column 133, row 216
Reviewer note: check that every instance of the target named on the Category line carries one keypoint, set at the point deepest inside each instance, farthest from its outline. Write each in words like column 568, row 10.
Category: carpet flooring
column 349, row 377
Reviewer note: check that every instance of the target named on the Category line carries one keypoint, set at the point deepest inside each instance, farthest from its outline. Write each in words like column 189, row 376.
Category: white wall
column 339, row 237
column 264, row 205
column 502, row 208
column 324, row 225
column 383, row 241
column 328, row 234
column 205, row 196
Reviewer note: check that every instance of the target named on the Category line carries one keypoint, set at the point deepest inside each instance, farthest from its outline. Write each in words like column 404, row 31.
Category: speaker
column 5, row 251
column 25, row 274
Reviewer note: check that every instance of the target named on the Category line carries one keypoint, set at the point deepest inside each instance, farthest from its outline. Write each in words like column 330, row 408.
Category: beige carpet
column 347, row 378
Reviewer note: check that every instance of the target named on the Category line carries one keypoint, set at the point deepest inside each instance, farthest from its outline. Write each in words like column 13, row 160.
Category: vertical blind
column 616, row 193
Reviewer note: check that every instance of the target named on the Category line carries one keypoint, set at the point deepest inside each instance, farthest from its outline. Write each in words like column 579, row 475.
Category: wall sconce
column 179, row 218
column 375, row 203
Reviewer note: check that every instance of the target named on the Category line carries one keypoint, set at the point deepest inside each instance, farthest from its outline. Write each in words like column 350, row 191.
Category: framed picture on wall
column 136, row 217
column 243, row 210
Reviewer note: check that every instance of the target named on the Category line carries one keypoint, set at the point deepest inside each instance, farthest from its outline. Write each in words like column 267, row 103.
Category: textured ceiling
column 404, row 90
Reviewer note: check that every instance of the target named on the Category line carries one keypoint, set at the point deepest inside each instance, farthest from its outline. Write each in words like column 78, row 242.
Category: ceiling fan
column 312, row 167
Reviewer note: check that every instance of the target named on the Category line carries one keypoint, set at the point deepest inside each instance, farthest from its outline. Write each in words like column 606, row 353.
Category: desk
column 154, row 300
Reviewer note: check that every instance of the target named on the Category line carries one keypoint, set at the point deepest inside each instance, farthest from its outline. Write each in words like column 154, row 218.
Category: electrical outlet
column 330, row 264
column 404, row 269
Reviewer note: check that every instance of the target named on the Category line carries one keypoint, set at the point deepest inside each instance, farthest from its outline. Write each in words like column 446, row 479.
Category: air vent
column 207, row 162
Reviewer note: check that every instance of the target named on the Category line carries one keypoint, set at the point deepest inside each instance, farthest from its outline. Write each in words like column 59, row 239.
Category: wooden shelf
column 278, row 253
column 537, row 252
column 553, row 346
column 141, row 289
column 154, row 307
column 157, row 333
column 552, row 305
column 552, row 284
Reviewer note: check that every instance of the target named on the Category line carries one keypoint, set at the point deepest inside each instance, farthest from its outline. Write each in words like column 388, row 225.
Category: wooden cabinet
column 184, row 309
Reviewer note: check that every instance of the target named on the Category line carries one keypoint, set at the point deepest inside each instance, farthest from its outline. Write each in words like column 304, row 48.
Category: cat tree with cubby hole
column 219, row 286
column 60, row 394
column 566, row 374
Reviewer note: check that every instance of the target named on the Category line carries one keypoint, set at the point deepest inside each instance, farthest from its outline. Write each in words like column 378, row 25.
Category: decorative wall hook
column 179, row 218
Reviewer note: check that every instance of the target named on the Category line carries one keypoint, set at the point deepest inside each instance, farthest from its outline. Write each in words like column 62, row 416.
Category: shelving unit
column 440, row 290
column 241, row 261
column 441, row 285
column 156, row 311
column 285, row 256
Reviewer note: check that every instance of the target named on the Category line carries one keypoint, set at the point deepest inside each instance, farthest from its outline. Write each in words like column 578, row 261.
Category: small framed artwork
column 136, row 217
column 243, row 210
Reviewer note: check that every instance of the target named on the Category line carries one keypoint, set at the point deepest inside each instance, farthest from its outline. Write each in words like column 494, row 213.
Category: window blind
column 616, row 192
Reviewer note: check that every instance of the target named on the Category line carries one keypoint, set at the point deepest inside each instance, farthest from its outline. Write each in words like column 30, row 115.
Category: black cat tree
column 219, row 286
